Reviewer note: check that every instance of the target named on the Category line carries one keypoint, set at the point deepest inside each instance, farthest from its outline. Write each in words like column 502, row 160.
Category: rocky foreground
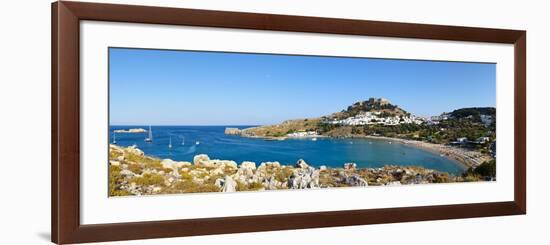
column 131, row 172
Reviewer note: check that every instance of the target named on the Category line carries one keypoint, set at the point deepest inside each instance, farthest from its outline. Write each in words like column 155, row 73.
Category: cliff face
column 232, row 131
column 133, row 173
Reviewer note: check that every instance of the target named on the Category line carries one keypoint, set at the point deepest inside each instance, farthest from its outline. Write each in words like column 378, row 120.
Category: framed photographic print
column 177, row 122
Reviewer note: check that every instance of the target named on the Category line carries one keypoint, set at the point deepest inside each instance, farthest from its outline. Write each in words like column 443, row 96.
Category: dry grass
column 283, row 174
column 187, row 186
column 135, row 168
column 149, row 179
column 115, row 179
column 114, row 154
column 286, row 127
column 254, row 186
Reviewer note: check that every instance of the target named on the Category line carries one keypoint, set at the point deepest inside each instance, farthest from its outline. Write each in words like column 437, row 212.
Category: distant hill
column 375, row 105
column 382, row 105
column 475, row 112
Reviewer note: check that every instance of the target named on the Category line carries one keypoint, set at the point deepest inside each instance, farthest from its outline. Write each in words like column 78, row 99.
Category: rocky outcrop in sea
column 132, row 130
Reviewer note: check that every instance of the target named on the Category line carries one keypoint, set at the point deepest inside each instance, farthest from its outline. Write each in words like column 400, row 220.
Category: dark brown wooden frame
column 65, row 181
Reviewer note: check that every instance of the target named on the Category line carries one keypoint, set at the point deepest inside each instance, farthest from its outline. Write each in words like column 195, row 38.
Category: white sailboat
column 182, row 140
column 114, row 138
column 170, row 143
column 150, row 138
column 196, row 143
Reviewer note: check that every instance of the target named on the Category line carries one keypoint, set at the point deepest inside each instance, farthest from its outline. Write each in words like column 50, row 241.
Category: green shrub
column 487, row 169
column 471, row 176
column 279, row 134
column 441, row 178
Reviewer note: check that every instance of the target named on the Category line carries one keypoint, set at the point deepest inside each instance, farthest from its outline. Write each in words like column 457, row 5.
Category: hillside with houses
column 375, row 111
column 466, row 127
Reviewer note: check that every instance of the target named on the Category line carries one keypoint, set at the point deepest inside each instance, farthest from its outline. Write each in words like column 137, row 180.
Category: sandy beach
column 466, row 157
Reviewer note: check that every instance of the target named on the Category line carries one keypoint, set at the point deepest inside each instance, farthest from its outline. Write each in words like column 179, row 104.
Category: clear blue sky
column 162, row 87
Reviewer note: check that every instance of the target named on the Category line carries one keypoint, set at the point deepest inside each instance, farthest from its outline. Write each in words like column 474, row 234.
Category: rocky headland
column 131, row 172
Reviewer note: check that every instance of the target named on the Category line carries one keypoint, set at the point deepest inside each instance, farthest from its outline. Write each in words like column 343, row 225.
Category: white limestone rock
column 168, row 163
column 350, row 166
column 248, row 165
column 216, row 163
column 304, row 178
column 301, row 164
column 217, row 171
column 393, row 183
column 127, row 173
column 203, row 160
column 183, row 164
column 200, row 159
column 229, row 185
column 134, row 150
column 269, row 165
column 355, row 180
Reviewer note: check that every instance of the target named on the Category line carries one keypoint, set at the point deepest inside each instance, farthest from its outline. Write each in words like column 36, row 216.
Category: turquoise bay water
column 330, row 152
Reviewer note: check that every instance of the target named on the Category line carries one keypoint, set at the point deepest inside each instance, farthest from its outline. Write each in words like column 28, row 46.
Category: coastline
column 463, row 157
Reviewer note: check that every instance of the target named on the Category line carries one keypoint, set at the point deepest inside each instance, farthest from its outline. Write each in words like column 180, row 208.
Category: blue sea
column 331, row 152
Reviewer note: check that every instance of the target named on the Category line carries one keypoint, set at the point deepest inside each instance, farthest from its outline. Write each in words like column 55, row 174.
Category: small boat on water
column 389, row 142
column 183, row 140
column 114, row 138
column 170, row 143
column 314, row 139
column 150, row 136
column 196, row 142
